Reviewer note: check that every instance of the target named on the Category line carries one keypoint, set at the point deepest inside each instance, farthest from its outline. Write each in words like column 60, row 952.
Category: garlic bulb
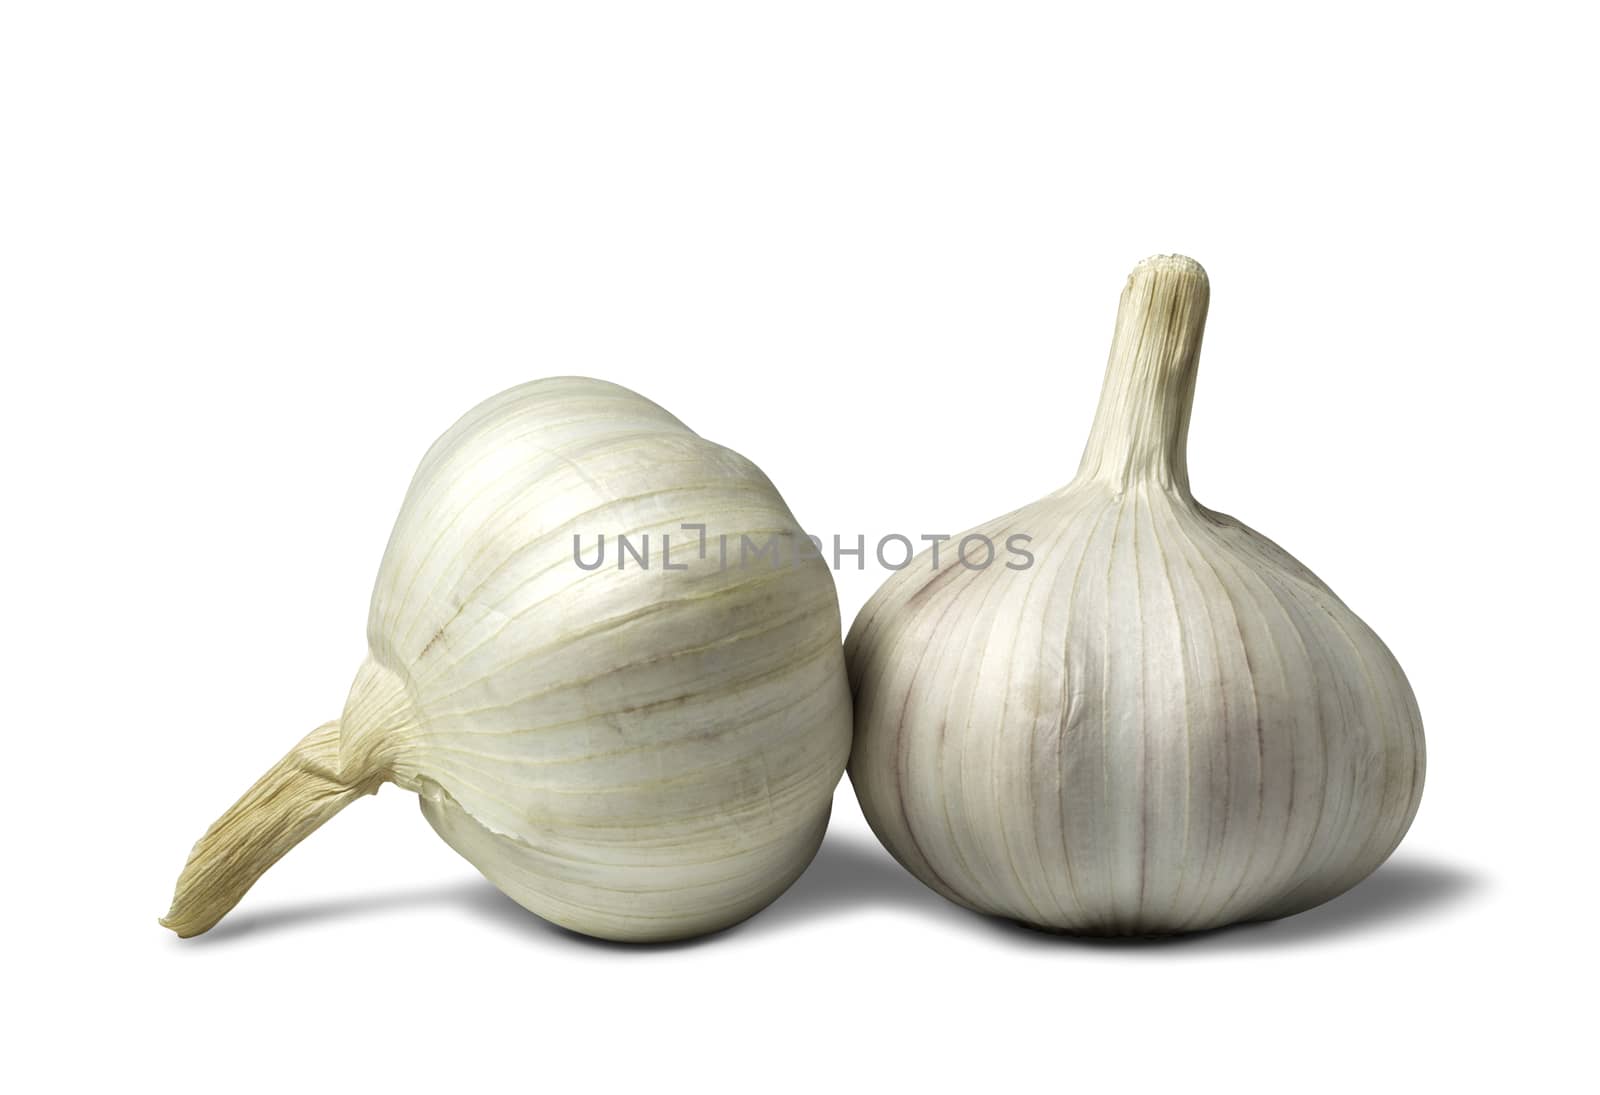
column 1165, row 724
column 641, row 750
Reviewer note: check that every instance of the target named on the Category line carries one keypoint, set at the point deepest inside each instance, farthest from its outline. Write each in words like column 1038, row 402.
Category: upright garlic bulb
column 634, row 752
column 1166, row 724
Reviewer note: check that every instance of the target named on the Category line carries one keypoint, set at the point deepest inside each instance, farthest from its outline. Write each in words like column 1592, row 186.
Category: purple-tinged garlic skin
column 1166, row 724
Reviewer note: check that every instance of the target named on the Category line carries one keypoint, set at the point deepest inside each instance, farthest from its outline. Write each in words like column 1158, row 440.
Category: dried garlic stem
column 285, row 806
column 1141, row 428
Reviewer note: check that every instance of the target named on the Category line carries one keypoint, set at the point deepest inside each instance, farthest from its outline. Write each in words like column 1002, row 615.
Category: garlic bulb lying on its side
column 641, row 750
column 1165, row 724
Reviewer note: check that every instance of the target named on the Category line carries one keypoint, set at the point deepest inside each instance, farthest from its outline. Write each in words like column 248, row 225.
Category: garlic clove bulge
column 640, row 750
column 1165, row 724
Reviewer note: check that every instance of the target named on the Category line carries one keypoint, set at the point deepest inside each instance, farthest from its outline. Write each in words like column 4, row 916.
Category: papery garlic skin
column 633, row 753
column 1166, row 724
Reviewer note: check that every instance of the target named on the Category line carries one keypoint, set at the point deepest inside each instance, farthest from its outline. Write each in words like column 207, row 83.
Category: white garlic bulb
column 1165, row 724
column 640, row 750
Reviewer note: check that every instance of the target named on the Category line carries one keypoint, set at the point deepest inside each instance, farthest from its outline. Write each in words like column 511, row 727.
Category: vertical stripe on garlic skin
column 636, row 753
column 1166, row 724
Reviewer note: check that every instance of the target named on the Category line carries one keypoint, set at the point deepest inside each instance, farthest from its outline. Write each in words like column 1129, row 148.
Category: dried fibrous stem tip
column 1171, row 264
column 285, row 806
column 1171, row 291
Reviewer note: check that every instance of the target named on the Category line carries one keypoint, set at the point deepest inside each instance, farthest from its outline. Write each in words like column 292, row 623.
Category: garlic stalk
column 1167, row 724
column 643, row 750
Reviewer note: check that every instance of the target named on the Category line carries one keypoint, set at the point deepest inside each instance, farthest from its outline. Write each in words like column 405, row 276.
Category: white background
column 256, row 257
